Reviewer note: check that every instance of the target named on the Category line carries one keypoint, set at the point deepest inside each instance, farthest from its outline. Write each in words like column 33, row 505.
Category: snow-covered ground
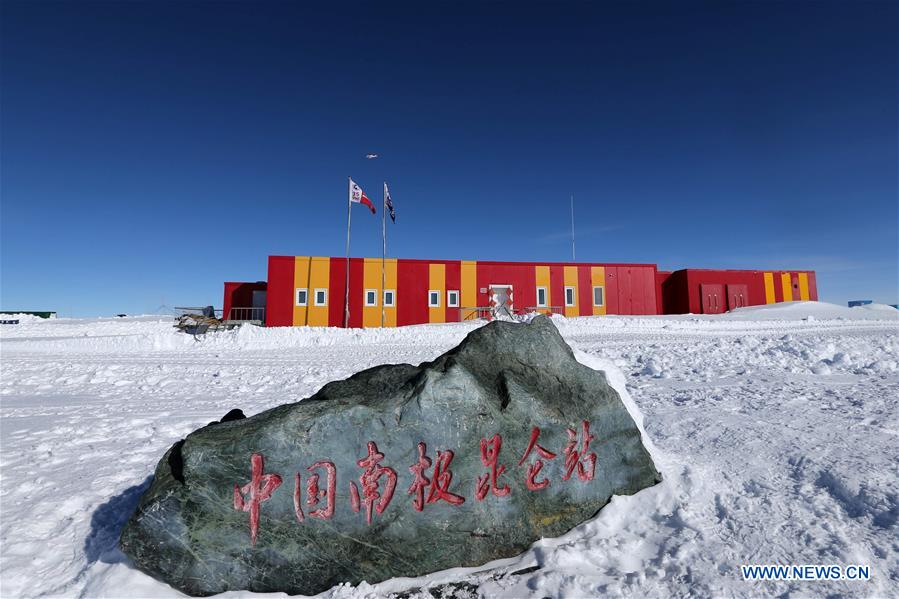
column 776, row 429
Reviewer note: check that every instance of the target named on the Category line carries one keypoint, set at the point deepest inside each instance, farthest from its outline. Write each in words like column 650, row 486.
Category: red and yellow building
column 700, row 291
column 310, row 290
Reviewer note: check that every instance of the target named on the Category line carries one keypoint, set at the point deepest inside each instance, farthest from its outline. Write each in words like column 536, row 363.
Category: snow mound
column 249, row 337
column 617, row 380
column 24, row 318
column 528, row 317
column 815, row 310
column 877, row 308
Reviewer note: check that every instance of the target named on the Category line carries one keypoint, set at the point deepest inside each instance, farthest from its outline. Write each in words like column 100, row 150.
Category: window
column 598, row 296
column 541, row 297
column 389, row 298
column 569, row 296
column 302, row 297
column 433, row 299
column 371, row 297
column 452, row 299
column 321, row 297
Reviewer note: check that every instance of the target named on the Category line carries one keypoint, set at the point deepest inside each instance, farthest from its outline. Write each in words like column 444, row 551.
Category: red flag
column 358, row 196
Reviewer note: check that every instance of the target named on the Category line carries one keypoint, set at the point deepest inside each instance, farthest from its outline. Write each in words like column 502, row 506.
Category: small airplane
column 371, row 156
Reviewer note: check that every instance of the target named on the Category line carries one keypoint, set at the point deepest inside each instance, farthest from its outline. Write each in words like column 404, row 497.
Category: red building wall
column 336, row 288
column 674, row 293
column 812, row 286
column 356, row 300
column 585, row 290
column 612, row 303
column 557, row 285
column 754, row 281
column 239, row 295
column 521, row 276
column 681, row 289
column 279, row 299
column 453, row 281
column 637, row 294
column 661, row 277
column 411, row 292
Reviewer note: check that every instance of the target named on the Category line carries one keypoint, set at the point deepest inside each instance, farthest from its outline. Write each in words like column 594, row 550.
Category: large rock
column 222, row 513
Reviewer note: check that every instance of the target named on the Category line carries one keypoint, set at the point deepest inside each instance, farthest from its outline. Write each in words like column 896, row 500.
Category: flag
column 357, row 196
column 388, row 204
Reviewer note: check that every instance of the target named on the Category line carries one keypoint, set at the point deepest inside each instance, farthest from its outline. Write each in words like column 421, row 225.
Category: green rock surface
column 503, row 379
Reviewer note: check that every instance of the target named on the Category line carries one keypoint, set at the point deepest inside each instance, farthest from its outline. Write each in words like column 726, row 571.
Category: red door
column 625, row 297
column 712, row 298
column 737, row 296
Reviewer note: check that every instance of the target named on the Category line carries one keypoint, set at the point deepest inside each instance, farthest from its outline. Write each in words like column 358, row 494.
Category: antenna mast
column 573, row 255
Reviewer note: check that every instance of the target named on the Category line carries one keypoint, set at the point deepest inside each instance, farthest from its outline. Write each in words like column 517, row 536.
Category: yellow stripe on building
column 803, row 286
column 437, row 282
column 786, row 285
column 469, row 291
column 390, row 311
column 770, row 298
column 300, row 281
column 319, row 278
column 541, row 275
column 570, row 278
column 598, row 279
column 371, row 281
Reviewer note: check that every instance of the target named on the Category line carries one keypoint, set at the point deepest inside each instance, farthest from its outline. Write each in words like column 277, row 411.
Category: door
column 712, row 298
column 502, row 306
column 258, row 311
column 625, row 298
column 737, row 296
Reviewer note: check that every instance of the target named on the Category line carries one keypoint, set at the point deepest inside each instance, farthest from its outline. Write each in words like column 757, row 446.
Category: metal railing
column 247, row 315
column 476, row 313
column 544, row 310
column 485, row 313
column 492, row 312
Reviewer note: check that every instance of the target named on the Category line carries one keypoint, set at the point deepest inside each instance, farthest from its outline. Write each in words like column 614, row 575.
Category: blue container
column 854, row 303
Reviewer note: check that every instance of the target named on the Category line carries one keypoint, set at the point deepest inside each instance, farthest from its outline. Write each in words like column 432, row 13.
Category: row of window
column 452, row 299
column 320, row 297
column 571, row 297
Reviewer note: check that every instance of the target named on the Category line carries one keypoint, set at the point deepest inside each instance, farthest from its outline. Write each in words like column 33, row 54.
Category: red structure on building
column 311, row 291
column 245, row 301
column 701, row 291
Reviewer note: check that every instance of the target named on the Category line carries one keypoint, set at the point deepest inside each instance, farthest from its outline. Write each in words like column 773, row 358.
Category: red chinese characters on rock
column 530, row 480
column 378, row 483
column 585, row 462
column 439, row 482
column 314, row 494
column 370, row 483
column 490, row 458
column 259, row 489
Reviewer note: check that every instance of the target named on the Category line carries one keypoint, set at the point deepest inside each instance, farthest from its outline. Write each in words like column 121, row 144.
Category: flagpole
column 383, row 254
column 573, row 256
column 349, row 214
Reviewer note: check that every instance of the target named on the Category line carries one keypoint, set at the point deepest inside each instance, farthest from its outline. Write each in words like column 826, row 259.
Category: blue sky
column 151, row 151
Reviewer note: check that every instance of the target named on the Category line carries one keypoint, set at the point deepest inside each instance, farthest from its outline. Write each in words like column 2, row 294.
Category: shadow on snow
column 102, row 543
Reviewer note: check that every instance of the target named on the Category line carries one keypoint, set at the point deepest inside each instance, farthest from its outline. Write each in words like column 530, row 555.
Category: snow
column 21, row 317
column 816, row 310
column 775, row 428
